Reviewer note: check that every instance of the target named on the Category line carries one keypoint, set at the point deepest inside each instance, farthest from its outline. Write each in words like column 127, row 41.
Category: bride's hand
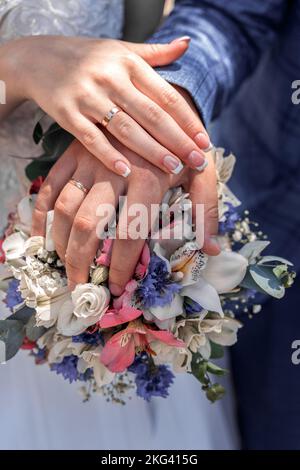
column 77, row 81
column 76, row 225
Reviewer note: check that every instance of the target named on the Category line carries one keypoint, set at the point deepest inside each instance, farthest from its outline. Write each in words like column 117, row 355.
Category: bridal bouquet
column 176, row 315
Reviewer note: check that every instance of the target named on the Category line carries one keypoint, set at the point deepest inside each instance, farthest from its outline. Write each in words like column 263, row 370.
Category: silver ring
column 79, row 185
column 106, row 120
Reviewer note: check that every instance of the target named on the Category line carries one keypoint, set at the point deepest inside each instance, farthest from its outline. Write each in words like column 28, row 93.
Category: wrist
column 13, row 70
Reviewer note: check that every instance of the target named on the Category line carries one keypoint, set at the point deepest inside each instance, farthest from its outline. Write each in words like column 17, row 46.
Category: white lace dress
column 39, row 410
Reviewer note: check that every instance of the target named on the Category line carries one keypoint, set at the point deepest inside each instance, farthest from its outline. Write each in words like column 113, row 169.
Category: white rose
column 48, row 308
column 90, row 300
column 88, row 304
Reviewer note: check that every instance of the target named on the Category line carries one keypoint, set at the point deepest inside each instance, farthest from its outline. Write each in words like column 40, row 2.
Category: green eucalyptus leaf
column 199, row 369
column 217, row 351
column 274, row 259
column 37, row 133
column 267, row 281
column 56, row 142
column 12, row 333
column 23, row 315
column 249, row 283
column 216, row 370
column 37, row 168
column 34, row 332
column 215, row 392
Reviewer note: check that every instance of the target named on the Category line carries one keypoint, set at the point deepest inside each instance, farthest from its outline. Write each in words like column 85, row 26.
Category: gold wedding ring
column 79, row 185
column 106, row 120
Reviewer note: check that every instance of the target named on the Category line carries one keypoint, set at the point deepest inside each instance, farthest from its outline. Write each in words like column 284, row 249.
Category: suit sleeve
column 228, row 39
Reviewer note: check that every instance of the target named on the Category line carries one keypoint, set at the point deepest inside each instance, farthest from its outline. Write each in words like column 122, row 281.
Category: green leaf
column 38, row 168
column 199, row 369
column 249, row 283
column 262, row 279
column 55, row 142
column 267, row 281
column 274, row 259
column 215, row 392
column 37, row 133
column 12, row 334
column 216, row 370
column 34, row 332
column 23, row 315
column 217, row 351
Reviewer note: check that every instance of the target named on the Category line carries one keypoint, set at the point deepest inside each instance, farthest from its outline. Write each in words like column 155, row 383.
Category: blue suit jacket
column 242, row 61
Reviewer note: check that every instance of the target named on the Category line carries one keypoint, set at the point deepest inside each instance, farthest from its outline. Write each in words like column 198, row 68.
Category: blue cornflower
column 191, row 307
column 68, row 369
column 13, row 296
column 95, row 339
column 151, row 380
column 157, row 289
column 231, row 217
column 39, row 354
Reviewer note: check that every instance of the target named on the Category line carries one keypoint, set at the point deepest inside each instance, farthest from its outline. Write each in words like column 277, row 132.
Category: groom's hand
column 76, row 224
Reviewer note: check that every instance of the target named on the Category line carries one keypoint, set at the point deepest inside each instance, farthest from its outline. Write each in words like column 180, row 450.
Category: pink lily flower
column 119, row 351
column 122, row 311
column 104, row 258
column 142, row 266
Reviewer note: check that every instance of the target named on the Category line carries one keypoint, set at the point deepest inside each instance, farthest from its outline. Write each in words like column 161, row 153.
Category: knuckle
column 83, row 224
column 169, row 97
column 88, row 137
column 193, row 127
column 130, row 59
column 153, row 113
column 61, row 208
column 124, row 126
column 106, row 77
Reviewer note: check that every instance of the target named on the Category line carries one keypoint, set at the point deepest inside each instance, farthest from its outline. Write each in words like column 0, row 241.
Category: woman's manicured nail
column 203, row 166
column 182, row 38
column 122, row 169
column 115, row 289
column 196, row 159
column 209, row 148
column 173, row 164
column 203, row 141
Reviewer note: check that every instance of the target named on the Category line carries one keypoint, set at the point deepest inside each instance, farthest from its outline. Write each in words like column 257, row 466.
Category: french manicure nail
column 209, row 148
column 202, row 140
column 196, row 159
column 203, row 166
column 115, row 289
column 173, row 164
column 182, row 38
column 122, row 169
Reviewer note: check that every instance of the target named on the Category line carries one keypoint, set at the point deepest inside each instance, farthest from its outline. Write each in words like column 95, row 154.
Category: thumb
column 160, row 54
